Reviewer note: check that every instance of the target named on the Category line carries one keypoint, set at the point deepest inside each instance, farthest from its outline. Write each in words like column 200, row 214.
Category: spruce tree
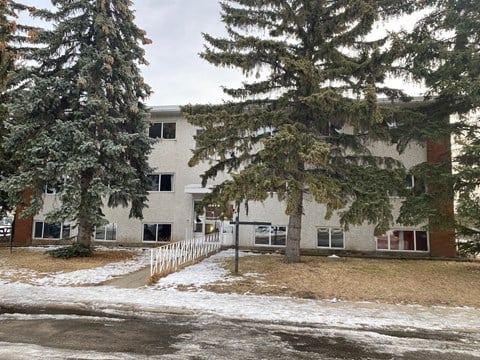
column 444, row 53
column 7, row 28
column 303, row 124
column 10, row 40
column 6, row 67
column 467, row 186
column 79, row 123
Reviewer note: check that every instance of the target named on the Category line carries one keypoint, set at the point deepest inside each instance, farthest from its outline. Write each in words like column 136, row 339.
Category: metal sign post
column 237, row 228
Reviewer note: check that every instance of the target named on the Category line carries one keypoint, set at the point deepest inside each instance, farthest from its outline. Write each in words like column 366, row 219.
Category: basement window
column 330, row 237
column 270, row 235
column 403, row 240
column 44, row 230
column 106, row 232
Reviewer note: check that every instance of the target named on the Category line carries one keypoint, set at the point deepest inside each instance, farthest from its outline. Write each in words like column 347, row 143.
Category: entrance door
column 208, row 221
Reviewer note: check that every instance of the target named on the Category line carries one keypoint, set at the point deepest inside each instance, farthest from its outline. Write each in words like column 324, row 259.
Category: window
column 6, row 221
column 162, row 130
column 270, row 235
column 392, row 124
column 330, row 237
column 51, row 188
column 403, row 240
column 155, row 130
column 409, row 181
column 414, row 183
column 106, row 232
column 161, row 182
column 43, row 230
column 267, row 130
column 157, row 232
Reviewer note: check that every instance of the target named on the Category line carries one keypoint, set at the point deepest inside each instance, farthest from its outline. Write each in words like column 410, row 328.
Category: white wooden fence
column 167, row 258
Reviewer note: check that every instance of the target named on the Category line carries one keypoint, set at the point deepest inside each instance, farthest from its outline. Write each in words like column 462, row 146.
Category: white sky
column 176, row 73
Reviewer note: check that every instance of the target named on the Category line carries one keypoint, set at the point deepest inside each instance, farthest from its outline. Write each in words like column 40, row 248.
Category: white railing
column 167, row 258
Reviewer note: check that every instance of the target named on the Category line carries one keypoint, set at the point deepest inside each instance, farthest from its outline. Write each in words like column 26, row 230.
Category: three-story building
column 175, row 190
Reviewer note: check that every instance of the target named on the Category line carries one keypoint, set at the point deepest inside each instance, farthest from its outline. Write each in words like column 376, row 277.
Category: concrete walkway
column 133, row 280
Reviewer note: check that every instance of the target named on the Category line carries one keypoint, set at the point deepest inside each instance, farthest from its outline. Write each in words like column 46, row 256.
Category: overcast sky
column 176, row 73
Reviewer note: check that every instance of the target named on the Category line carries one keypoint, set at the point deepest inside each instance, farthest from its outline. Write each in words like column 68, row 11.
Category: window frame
column 389, row 234
column 162, row 130
column 330, row 230
column 410, row 181
column 49, row 191
column 269, row 230
column 64, row 227
column 172, row 182
column 156, row 232
column 105, row 228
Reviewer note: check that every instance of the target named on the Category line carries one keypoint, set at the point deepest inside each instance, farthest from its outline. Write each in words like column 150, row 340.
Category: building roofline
column 165, row 109
column 175, row 109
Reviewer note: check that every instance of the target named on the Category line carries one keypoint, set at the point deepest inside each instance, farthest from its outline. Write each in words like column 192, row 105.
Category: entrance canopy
column 196, row 189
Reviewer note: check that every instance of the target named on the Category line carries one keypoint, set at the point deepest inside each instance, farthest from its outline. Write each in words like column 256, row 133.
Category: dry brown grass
column 423, row 282
column 38, row 261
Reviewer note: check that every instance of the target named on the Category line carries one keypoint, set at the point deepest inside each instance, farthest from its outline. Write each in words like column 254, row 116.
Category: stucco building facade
column 171, row 215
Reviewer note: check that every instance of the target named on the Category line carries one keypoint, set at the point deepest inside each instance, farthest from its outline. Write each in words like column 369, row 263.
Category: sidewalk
column 134, row 280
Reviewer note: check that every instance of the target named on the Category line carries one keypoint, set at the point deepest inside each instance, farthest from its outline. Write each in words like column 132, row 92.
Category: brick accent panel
column 22, row 233
column 442, row 243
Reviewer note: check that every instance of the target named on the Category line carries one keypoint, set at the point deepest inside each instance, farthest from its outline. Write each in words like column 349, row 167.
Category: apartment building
column 176, row 188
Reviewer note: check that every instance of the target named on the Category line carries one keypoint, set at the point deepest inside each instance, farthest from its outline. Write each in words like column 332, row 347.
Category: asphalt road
column 172, row 336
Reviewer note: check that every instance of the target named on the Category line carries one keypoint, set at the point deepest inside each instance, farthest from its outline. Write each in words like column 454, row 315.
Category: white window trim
column 411, row 181
column 390, row 232
column 105, row 233
column 270, row 236
column 52, row 192
column 330, row 228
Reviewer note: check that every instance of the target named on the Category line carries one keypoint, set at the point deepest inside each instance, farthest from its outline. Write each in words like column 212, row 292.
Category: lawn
column 425, row 282
column 35, row 262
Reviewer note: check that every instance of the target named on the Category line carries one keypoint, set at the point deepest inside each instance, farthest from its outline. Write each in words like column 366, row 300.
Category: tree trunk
column 85, row 226
column 292, row 251
column 85, row 230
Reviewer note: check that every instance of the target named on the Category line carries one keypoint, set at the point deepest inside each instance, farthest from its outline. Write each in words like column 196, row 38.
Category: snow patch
column 55, row 290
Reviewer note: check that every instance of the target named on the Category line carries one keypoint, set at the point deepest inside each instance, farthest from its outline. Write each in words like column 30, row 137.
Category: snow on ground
column 86, row 276
column 52, row 290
